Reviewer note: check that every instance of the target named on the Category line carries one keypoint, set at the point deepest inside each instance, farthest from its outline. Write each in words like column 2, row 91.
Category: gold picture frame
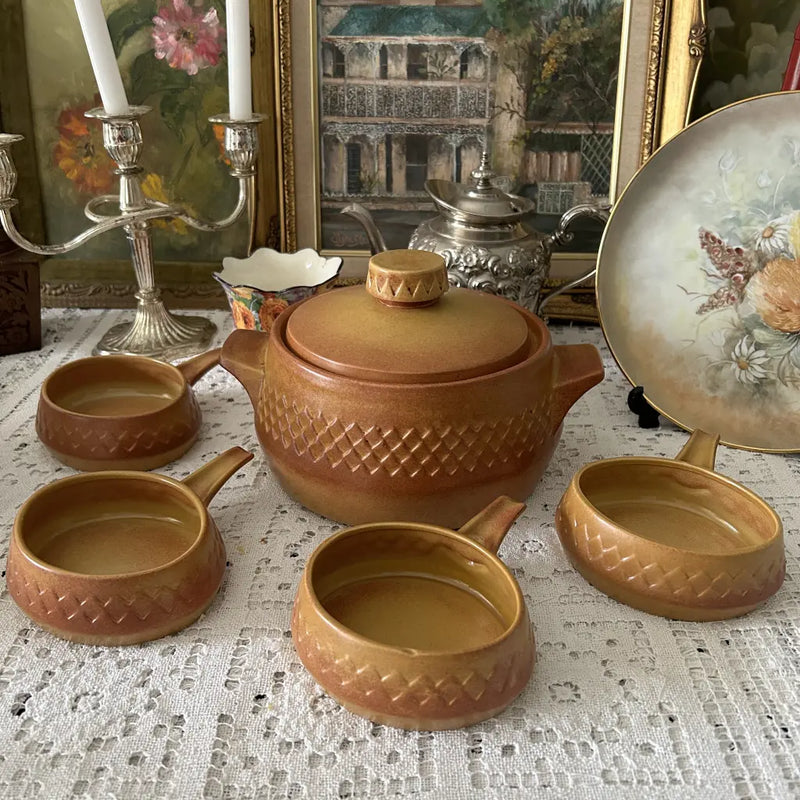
column 662, row 46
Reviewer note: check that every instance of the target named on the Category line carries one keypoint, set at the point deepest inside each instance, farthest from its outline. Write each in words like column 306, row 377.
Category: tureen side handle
column 578, row 367
column 243, row 356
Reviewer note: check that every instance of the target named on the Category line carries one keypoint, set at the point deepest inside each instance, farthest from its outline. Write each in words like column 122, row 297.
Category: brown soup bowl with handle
column 121, row 412
column 119, row 557
column 416, row 626
column 671, row 536
column 408, row 399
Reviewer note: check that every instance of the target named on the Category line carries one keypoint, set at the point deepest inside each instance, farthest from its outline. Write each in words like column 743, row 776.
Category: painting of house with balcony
column 416, row 91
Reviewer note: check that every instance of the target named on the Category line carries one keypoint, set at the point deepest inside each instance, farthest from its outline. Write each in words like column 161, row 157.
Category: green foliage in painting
column 569, row 51
column 127, row 20
column 578, row 61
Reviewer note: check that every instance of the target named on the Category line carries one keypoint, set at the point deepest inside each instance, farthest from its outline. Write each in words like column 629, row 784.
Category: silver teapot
column 479, row 233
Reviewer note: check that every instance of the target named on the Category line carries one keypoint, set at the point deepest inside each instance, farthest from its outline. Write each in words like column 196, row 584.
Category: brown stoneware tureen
column 408, row 401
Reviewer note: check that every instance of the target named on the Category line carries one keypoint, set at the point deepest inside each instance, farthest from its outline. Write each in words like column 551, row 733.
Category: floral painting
column 752, row 270
column 172, row 57
column 699, row 277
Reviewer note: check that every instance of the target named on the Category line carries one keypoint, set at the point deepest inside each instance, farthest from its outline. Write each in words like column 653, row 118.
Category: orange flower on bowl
column 243, row 317
column 270, row 310
column 292, row 277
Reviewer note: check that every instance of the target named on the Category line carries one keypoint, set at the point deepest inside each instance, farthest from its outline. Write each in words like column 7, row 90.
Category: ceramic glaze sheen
column 121, row 412
column 122, row 557
column 368, row 411
column 422, row 612
column 677, row 524
column 128, row 542
column 673, row 537
column 119, row 399
column 416, row 626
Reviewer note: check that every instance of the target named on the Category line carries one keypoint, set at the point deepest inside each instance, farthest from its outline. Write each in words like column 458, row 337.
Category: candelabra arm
column 246, row 194
column 90, row 211
column 102, row 225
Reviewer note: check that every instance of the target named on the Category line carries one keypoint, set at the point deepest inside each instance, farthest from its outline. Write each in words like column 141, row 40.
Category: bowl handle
column 194, row 369
column 490, row 526
column 579, row 367
column 210, row 478
column 700, row 450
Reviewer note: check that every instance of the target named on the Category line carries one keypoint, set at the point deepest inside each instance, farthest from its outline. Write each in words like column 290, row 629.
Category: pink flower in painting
column 187, row 37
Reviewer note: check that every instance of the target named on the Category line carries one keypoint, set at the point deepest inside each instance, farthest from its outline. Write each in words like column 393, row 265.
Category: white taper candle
column 239, row 87
column 101, row 54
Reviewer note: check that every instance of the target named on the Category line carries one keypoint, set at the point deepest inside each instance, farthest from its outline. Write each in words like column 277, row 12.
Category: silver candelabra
column 154, row 331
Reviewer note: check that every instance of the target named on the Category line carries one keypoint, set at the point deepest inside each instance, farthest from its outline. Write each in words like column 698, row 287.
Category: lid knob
column 407, row 277
column 482, row 175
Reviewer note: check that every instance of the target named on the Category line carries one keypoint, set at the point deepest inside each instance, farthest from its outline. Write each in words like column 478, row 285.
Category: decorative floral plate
column 262, row 285
column 698, row 276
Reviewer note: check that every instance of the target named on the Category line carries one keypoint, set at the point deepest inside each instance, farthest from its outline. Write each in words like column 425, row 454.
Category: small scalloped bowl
column 261, row 286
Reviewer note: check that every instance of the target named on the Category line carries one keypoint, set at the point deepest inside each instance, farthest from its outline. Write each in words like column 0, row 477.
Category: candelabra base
column 158, row 334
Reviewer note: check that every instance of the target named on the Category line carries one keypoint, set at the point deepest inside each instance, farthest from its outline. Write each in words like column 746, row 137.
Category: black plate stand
column 648, row 416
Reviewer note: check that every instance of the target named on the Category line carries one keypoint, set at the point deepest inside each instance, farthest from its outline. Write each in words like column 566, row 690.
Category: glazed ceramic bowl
column 121, row 412
column 408, row 399
column 261, row 286
column 119, row 557
column 416, row 626
column 672, row 537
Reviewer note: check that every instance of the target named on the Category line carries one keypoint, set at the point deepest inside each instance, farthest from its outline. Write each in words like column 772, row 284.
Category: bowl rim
column 18, row 537
column 46, row 397
column 520, row 609
column 681, row 466
column 337, row 260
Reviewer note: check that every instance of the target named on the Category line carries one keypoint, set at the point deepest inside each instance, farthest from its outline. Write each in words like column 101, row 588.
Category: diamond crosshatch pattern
column 425, row 451
column 621, row 705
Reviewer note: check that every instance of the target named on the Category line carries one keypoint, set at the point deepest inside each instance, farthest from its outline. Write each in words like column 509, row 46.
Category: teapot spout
column 490, row 526
column 243, row 356
column 358, row 212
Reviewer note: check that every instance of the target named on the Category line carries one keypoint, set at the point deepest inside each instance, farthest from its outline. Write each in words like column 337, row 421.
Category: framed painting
column 64, row 163
column 374, row 97
column 749, row 42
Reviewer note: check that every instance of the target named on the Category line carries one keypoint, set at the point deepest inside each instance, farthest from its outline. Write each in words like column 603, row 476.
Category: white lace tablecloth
column 621, row 704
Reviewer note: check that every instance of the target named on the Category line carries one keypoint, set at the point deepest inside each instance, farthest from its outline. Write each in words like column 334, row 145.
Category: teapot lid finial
column 482, row 174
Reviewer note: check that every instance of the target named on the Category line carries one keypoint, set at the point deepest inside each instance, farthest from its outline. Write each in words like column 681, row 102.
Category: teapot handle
column 562, row 235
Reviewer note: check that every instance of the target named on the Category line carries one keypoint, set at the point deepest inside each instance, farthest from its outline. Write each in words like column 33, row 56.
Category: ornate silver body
column 480, row 235
column 506, row 260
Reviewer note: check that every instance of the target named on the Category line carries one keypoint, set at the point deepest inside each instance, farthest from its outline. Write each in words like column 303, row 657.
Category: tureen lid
column 408, row 326
column 478, row 202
